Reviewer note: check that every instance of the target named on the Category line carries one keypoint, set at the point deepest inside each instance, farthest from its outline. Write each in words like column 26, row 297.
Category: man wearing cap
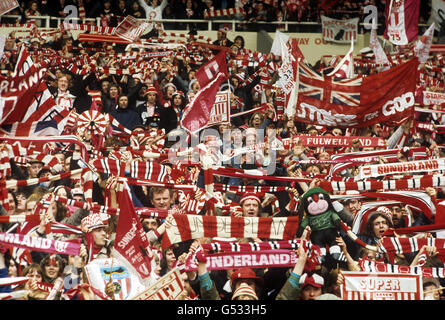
column 150, row 107
column 250, row 203
column 301, row 286
column 96, row 236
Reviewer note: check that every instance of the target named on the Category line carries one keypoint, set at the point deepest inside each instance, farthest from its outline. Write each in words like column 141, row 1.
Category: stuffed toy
column 323, row 220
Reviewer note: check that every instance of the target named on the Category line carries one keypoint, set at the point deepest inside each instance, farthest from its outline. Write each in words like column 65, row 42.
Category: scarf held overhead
column 186, row 227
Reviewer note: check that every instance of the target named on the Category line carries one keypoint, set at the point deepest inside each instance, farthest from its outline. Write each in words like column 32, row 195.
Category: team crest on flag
column 120, row 276
column 126, row 283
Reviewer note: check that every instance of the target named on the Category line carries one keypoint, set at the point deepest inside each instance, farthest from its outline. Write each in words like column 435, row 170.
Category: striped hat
column 249, row 196
column 244, row 290
column 92, row 221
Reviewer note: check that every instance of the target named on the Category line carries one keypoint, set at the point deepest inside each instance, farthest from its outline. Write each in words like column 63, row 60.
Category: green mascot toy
column 323, row 220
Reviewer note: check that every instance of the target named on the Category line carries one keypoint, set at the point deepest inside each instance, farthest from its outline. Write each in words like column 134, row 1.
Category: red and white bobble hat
column 244, row 290
column 93, row 221
column 315, row 280
column 386, row 211
column 249, row 196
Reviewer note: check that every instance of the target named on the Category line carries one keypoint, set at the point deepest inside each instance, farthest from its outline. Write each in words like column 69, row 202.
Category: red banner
column 131, row 242
column 340, row 141
column 384, row 97
column 232, row 260
column 40, row 244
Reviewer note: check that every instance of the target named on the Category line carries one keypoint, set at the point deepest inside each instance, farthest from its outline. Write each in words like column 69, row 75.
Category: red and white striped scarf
column 393, row 184
column 186, row 227
column 223, row 12
column 375, row 266
column 390, row 155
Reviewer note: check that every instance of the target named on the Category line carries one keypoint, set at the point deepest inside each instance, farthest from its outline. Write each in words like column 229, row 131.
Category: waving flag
column 357, row 102
column 402, row 18
column 379, row 53
column 131, row 244
column 27, row 107
column 345, row 68
column 328, row 90
column 423, row 45
column 197, row 113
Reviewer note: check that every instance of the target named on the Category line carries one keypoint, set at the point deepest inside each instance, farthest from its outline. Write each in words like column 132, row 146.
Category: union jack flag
column 343, row 92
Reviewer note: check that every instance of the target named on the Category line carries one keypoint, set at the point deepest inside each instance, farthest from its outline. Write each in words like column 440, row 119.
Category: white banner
column 341, row 31
column 431, row 98
column 377, row 170
column 169, row 287
column 437, row 13
column 125, row 283
column 381, row 286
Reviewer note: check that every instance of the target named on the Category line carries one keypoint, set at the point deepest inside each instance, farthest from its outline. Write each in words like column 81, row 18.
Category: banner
column 233, row 260
column 40, row 244
column 381, row 286
column 340, row 141
column 423, row 45
column 19, row 90
column 431, row 98
column 340, row 31
column 189, row 226
column 221, row 109
column 402, row 21
column 379, row 98
column 7, row 5
column 126, row 284
column 379, row 53
column 130, row 29
column 169, row 287
column 378, row 170
column 131, row 243
column 437, row 13
column 373, row 266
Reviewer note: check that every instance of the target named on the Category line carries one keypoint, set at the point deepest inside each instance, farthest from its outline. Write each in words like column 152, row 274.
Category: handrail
column 208, row 22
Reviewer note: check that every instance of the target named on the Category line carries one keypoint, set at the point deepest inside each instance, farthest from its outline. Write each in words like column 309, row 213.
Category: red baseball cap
column 245, row 273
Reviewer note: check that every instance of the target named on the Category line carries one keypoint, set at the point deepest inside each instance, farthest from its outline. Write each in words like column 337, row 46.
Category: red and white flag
column 291, row 55
column 7, row 5
column 197, row 113
column 208, row 72
column 379, row 53
column 27, row 107
column 131, row 244
column 423, row 45
column 345, row 68
column 169, row 287
column 402, row 18
column 130, row 29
